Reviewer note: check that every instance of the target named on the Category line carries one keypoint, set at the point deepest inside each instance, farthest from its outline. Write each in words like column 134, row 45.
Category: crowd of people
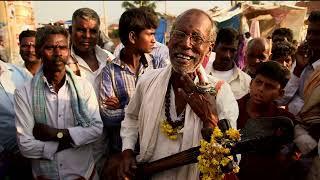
column 74, row 110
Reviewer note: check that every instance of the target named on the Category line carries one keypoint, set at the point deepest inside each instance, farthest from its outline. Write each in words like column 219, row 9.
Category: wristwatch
column 60, row 135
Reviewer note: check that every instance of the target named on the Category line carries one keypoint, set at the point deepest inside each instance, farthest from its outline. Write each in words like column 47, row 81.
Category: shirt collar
column 100, row 54
column 146, row 57
column 316, row 64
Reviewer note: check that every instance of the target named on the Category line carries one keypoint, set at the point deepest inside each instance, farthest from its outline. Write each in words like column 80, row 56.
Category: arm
column 129, row 126
column 29, row 146
column 290, row 90
column 85, row 135
column 227, row 106
column 108, row 115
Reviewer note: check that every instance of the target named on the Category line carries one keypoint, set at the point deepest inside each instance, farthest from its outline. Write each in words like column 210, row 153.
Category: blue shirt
column 11, row 77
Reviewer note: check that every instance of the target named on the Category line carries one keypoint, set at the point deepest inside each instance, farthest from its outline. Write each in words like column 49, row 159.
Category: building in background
column 15, row 16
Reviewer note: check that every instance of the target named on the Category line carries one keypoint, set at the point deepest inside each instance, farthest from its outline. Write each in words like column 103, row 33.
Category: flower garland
column 215, row 159
column 169, row 127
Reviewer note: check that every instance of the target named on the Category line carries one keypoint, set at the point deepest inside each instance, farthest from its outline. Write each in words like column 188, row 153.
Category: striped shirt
column 119, row 81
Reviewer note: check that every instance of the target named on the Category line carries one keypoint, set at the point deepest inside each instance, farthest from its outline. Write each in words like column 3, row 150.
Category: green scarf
column 78, row 104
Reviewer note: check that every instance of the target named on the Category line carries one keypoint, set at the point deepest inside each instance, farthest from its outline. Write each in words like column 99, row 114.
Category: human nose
column 187, row 41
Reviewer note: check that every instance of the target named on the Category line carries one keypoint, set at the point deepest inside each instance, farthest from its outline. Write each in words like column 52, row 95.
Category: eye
column 197, row 38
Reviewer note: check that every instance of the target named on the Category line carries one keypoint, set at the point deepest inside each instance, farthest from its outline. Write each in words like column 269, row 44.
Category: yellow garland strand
column 167, row 129
column 215, row 154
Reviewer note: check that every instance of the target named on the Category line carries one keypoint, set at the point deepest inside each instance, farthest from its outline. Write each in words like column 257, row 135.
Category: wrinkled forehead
column 194, row 19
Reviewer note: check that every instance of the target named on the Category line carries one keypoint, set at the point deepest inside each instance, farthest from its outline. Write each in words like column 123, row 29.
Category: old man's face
column 189, row 42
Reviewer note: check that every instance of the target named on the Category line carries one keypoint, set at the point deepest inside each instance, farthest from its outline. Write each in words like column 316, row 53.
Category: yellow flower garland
column 215, row 154
column 167, row 129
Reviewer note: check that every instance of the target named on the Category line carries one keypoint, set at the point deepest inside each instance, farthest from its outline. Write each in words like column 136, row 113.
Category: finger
column 201, row 77
column 188, row 85
column 113, row 100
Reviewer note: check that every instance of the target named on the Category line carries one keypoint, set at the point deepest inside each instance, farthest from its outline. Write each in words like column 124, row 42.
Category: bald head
column 258, row 50
column 198, row 13
column 258, row 43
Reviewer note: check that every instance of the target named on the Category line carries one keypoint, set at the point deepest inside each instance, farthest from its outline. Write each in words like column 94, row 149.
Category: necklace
column 168, row 126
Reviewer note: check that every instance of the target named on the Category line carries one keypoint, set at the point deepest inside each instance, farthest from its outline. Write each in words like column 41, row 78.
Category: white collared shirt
column 73, row 162
column 239, row 81
column 11, row 77
column 103, row 56
column 294, row 89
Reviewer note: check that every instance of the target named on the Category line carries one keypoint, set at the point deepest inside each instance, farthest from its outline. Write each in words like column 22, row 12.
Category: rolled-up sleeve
column 85, row 135
column 227, row 106
column 28, row 145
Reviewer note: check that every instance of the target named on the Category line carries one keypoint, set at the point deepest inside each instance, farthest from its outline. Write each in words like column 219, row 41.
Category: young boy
column 266, row 87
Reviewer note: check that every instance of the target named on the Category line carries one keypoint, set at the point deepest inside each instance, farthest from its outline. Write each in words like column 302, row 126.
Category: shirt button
column 60, row 115
column 60, row 165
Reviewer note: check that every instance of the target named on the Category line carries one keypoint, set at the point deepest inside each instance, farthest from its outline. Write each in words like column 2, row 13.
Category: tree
column 136, row 4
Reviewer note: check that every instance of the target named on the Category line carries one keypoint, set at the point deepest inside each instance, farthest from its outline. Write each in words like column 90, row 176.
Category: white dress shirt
column 294, row 89
column 103, row 56
column 11, row 77
column 239, row 81
column 73, row 162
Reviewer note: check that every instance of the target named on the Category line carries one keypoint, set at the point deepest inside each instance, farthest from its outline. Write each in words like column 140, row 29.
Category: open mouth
column 184, row 57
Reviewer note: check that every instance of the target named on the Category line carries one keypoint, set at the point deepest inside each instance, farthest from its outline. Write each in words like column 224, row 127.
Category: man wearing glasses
column 178, row 96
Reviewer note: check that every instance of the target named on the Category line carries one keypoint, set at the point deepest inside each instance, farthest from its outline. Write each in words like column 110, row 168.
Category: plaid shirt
column 119, row 81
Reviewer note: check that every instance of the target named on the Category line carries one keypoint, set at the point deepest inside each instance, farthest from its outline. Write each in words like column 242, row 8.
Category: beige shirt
column 73, row 162
column 239, row 80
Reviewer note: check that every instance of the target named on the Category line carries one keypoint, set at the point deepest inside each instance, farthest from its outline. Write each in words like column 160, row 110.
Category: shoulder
column 244, row 75
column 104, row 53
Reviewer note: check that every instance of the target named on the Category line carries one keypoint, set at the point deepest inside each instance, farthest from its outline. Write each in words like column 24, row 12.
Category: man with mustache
column 223, row 66
column 258, row 50
column 90, row 59
column 57, row 114
column 181, row 96
column 27, row 41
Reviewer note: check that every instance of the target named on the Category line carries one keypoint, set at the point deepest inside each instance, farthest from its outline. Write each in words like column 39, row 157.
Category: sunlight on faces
column 186, row 56
column 27, row 49
column 55, row 52
column 264, row 90
column 85, row 34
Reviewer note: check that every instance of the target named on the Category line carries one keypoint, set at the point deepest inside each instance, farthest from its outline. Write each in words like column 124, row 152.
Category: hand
column 302, row 58
column 305, row 143
column 44, row 132
column 128, row 166
column 203, row 104
column 112, row 103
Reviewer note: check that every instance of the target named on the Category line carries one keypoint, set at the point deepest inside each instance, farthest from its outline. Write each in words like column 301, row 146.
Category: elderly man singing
column 181, row 96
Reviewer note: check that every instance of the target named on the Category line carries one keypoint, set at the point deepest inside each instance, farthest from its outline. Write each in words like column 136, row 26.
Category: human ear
column 132, row 37
column 281, row 92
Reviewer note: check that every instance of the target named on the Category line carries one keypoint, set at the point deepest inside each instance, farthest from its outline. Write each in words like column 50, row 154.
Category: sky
column 46, row 11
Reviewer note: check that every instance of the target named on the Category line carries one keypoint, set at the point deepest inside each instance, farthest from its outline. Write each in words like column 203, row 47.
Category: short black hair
column 286, row 32
column 314, row 16
column 282, row 49
column 274, row 71
column 44, row 32
column 27, row 33
column 227, row 35
column 86, row 13
column 136, row 20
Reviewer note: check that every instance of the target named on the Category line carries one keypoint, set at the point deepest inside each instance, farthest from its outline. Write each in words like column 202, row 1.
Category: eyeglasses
column 195, row 39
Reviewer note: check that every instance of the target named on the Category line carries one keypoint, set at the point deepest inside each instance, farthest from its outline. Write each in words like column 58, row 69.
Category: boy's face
column 264, row 90
column 145, row 40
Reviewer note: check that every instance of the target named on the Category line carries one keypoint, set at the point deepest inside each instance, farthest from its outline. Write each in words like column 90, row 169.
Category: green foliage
column 136, row 4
